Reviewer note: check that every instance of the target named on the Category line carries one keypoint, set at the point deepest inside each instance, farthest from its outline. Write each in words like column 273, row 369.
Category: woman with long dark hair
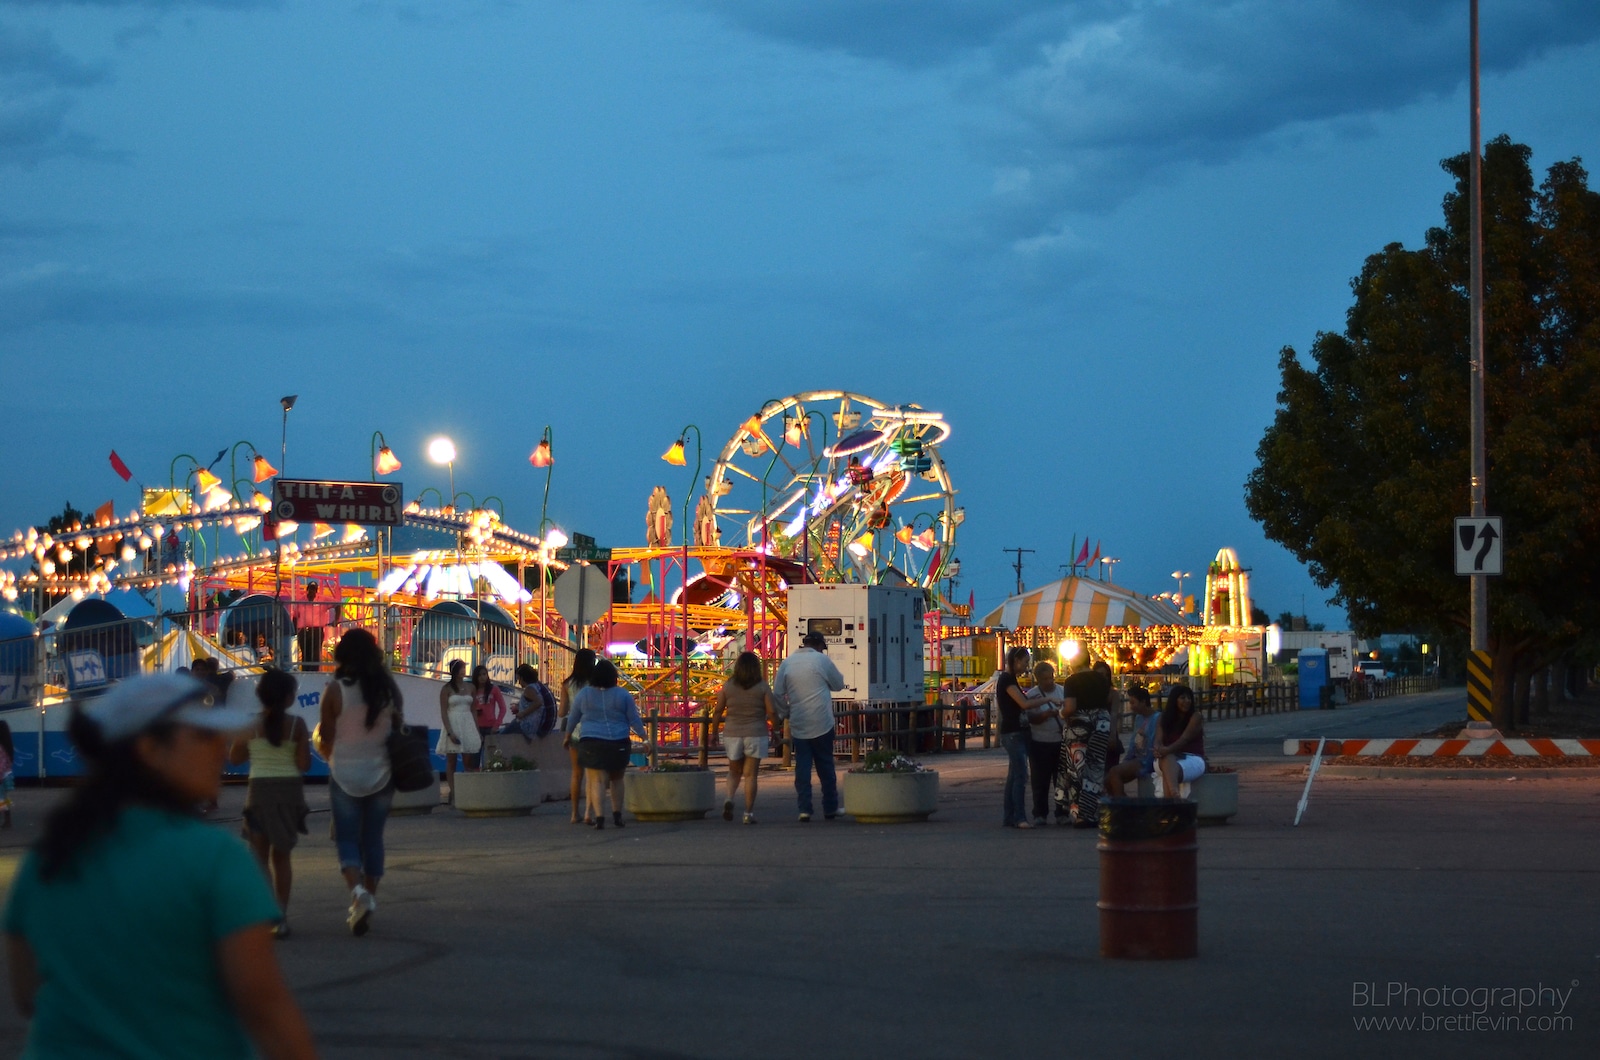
column 746, row 702
column 134, row 928
column 1180, row 741
column 582, row 673
column 1014, row 705
column 605, row 715
column 360, row 708
column 488, row 702
column 458, row 732
column 278, row 749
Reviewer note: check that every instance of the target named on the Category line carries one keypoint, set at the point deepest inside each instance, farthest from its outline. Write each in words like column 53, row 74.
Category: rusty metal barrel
column 1149, row 901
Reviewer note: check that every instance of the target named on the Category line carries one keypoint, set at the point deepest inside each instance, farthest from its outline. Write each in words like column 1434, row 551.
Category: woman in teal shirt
column 135, row 928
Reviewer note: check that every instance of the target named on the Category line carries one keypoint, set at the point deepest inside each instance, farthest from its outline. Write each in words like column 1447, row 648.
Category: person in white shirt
column 803, row 690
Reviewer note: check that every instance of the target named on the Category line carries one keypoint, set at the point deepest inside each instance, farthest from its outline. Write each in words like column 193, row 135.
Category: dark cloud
column 1097, row 97
column 51, row 294
column 37, row 79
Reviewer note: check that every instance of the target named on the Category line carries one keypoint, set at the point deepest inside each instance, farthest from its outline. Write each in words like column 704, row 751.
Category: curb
column 1424, row 773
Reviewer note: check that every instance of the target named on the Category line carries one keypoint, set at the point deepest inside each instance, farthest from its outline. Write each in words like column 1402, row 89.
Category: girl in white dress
column 458, row 730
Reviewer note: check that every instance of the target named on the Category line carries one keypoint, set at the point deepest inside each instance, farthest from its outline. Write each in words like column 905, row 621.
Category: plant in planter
column 504, row 788
column 889, row 788
column 671, row 791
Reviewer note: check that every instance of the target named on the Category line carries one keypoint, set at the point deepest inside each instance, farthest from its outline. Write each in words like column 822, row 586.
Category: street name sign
column 1480, row 545
column 325, row 501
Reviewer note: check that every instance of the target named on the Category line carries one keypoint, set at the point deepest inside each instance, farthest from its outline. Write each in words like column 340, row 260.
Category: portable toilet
column 1313, row 677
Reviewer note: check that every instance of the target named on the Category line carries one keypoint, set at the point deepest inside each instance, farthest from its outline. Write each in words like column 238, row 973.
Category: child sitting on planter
column 1140, row 759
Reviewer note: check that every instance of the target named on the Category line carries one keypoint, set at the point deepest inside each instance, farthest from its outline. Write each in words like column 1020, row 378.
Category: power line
column 1018, row 564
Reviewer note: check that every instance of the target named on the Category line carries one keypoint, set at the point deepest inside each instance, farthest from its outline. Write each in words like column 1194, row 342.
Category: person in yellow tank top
column 278, row 749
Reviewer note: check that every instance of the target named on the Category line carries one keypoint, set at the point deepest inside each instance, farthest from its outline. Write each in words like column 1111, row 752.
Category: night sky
column 1083, row 231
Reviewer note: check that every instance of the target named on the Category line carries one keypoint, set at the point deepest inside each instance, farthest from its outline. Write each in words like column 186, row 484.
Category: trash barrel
column 1149, row 902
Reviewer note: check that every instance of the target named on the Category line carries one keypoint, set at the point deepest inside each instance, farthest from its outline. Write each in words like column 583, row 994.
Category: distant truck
column 1339, row 644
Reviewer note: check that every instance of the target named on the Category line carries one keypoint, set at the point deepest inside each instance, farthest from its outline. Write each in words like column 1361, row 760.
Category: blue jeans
column 818, row 750
column 1016, row 803
column 358, row 828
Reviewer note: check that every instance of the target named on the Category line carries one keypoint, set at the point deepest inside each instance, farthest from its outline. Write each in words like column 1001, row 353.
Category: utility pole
column 1479, row 592
column 1018, row 564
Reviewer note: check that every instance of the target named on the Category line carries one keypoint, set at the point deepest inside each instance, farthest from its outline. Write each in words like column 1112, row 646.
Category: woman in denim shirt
column 606, row 714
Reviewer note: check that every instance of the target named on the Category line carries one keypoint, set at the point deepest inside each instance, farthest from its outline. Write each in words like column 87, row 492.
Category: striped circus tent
column 1075, row 601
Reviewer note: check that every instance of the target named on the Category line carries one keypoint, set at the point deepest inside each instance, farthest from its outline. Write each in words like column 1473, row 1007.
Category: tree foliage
column 1366, row 463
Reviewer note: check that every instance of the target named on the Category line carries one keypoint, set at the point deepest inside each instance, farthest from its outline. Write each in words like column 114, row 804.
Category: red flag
column 1083, row 556
column 120, row 468
column 1096, row 557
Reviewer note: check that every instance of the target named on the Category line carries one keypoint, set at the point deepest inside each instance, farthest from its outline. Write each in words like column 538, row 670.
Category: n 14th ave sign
column 319, row 501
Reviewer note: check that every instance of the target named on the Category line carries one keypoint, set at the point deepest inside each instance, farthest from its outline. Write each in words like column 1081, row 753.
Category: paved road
column 1262, row 737
column 954, row 939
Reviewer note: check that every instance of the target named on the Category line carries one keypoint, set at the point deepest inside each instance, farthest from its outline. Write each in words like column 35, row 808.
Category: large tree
column 1366, row 463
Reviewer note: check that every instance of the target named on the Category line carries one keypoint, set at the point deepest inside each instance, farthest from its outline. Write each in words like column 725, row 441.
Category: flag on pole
column 120, row 468
column 1083, row 557
column 1096, row 557
column 1073, row 551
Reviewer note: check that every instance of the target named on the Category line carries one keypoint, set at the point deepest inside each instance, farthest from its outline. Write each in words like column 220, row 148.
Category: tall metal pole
column 1479, row 582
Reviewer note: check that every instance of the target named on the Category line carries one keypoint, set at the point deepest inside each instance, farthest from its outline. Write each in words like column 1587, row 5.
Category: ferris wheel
column 848, row 485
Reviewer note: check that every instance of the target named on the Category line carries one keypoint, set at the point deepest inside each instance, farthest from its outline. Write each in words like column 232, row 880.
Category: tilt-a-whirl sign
column 314, row 500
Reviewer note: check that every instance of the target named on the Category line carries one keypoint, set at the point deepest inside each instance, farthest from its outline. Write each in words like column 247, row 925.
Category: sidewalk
column 957, row 938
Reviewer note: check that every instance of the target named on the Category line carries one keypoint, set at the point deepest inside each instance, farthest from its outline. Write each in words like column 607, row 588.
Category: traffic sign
column 324, row 501
column 583, row 553
column 583, row 595
column 1480, row 545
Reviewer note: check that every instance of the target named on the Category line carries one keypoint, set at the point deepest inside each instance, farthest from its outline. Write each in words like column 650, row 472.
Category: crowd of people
column 127, row 873
column 1064, row 737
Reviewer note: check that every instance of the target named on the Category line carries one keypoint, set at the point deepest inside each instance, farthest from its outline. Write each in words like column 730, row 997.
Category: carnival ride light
column 541, row 455
column 555, row 538
column 1069, row 649
column 263, row 469
column 675, row 455
column 320, row 531
column 385, row 463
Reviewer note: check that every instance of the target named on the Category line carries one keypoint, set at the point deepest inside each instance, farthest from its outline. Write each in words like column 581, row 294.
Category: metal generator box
column 874, row 635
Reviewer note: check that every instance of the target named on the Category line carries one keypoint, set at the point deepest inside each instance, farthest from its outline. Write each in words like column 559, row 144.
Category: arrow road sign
column 1480, row 545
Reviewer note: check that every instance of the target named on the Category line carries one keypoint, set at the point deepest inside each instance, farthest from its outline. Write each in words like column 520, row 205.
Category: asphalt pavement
column 958, row 938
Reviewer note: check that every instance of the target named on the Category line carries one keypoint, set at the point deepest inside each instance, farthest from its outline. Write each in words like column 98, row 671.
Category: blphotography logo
column 1403, row 1006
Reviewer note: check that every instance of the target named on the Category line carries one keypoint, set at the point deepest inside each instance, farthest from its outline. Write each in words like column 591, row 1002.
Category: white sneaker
column 363, row 903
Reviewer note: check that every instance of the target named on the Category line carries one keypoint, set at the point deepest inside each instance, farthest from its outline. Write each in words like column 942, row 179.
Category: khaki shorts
column 739, row 747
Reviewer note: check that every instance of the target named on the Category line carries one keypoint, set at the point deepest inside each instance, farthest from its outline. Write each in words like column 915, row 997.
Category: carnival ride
column 795, row 501
column 850, row 487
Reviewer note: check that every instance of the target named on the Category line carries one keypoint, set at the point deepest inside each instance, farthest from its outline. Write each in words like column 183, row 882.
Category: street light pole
column 684, row 528
column 286, row 403
column 1479, row 583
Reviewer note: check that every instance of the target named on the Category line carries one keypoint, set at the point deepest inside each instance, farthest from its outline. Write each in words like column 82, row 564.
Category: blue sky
column 1083, row 231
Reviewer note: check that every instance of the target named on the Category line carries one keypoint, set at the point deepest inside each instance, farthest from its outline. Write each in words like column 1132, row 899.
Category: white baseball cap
column 135, row 704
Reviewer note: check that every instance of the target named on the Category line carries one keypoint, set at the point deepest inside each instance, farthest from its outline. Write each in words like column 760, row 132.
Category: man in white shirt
column 803, row 689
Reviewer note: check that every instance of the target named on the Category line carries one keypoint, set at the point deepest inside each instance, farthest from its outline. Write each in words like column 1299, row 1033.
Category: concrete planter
column 891, row 798
column 686, row 795
column 415, row 803
column 1216, row 796
column 513, row 793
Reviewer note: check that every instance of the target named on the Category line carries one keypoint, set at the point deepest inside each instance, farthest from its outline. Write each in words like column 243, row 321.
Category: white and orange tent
column 1075, row 601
